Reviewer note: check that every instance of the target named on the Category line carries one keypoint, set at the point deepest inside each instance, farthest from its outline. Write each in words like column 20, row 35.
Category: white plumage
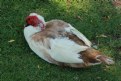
column 65, row 50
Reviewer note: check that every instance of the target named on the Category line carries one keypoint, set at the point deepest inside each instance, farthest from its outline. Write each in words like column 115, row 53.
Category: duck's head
column 35, row 20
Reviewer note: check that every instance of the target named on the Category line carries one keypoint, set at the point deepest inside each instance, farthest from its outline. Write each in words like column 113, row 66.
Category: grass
column 94, row 18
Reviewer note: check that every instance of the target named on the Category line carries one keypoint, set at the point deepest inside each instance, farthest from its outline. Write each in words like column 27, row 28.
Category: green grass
column 92, row 17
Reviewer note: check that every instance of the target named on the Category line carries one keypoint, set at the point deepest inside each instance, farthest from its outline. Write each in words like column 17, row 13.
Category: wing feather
column 65, row 50
column 74, row 31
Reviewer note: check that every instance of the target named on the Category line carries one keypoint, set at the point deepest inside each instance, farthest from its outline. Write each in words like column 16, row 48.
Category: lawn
column 99, row 20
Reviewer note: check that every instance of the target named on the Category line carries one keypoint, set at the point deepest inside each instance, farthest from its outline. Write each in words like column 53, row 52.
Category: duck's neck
column 30, row 30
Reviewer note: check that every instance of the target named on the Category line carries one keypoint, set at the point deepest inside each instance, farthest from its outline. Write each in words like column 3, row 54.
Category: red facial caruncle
column 34, row 21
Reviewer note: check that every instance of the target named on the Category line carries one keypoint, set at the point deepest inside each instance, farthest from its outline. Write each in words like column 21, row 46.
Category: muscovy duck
column 58, row 42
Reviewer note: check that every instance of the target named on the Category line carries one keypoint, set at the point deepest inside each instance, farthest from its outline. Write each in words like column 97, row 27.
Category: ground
column 98, row 20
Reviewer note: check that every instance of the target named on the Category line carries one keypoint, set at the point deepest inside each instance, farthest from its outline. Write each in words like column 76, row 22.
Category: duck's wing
column 59, row 49
column 66, row 51
column 74, row 31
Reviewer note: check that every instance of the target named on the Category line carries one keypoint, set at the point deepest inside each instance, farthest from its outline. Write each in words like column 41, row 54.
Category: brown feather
column 89, row 55
column 76, row 39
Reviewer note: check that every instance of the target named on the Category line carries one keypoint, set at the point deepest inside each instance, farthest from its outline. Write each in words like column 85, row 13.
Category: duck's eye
column 28, row 19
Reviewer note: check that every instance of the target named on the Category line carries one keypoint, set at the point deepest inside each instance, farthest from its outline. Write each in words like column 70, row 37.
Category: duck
column 59, row 43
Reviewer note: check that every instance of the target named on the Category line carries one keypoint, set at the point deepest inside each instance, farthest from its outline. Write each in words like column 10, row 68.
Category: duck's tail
column 93, row 56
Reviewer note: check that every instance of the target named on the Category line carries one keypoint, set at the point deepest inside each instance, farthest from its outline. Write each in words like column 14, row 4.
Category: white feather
column 65, row 50
column 30, row 30
column 37, row 47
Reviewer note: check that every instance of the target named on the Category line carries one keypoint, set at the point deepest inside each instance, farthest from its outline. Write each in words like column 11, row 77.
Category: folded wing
column 65, row 50
column 74, row 31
